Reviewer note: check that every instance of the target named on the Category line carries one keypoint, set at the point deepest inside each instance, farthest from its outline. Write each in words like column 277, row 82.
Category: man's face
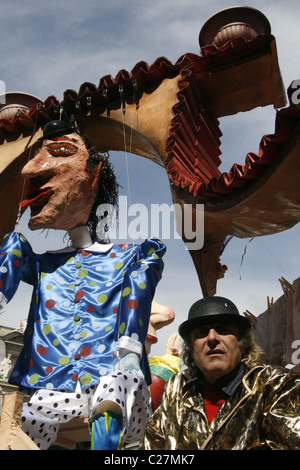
column 59, row 190
column 216, row 350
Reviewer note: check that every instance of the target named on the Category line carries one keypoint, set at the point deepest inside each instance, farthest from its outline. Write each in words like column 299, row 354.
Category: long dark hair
column 108, row 189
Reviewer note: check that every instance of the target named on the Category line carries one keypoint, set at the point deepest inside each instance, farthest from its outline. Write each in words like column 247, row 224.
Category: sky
column 51, row 46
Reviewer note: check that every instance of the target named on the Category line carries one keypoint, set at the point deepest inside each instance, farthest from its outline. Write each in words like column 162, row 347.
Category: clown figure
column 83, row 352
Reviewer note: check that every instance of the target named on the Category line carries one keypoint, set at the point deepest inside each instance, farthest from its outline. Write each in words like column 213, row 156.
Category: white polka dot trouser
column 47, row 409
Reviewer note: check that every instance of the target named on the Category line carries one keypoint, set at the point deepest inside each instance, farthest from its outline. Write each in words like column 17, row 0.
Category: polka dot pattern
column 48, row 409
column 132, row 304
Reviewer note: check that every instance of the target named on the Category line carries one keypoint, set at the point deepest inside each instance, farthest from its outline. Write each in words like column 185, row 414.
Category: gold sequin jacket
column 262, row 414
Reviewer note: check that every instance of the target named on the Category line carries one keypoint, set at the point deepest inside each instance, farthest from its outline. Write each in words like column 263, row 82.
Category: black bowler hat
column 212, row 310
column 56, row 128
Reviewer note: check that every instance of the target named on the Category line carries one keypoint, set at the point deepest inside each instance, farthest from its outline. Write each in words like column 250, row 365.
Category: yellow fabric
column 169, row 361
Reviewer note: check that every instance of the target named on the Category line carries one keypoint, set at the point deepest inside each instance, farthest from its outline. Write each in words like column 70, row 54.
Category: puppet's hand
column 130, row 363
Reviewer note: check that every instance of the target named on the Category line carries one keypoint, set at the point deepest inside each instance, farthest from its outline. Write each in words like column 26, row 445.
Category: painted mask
column 59, row 190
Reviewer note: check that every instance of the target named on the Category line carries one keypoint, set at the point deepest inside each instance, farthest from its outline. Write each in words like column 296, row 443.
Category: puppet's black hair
column 108, row 186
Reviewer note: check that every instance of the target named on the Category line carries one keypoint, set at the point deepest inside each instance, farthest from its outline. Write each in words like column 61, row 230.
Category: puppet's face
column 59, row 190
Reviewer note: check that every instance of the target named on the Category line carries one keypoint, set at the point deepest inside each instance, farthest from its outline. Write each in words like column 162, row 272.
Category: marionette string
column 122, row 98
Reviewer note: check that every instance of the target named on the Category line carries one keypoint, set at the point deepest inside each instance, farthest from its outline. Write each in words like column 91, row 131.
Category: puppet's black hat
column 56, row 128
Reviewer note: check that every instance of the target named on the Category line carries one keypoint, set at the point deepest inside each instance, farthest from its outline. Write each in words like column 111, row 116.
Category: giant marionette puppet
column 83, row 352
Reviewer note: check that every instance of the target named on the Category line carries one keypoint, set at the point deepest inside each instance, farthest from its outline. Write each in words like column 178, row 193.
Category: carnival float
column 169, row 113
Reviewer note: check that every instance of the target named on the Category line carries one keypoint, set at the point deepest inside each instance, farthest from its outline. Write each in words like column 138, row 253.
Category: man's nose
column 212, row 335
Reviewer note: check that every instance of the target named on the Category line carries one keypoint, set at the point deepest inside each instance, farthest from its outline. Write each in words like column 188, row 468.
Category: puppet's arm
column 138, row 289
column 16, row 260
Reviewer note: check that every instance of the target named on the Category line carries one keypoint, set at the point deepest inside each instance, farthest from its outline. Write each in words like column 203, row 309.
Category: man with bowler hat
column 225, row 399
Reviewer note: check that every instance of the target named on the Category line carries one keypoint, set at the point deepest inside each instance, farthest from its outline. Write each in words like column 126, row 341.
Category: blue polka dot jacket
column 87, row 306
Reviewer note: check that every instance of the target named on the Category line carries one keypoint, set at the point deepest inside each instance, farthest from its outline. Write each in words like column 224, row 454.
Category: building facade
column 11, row 343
